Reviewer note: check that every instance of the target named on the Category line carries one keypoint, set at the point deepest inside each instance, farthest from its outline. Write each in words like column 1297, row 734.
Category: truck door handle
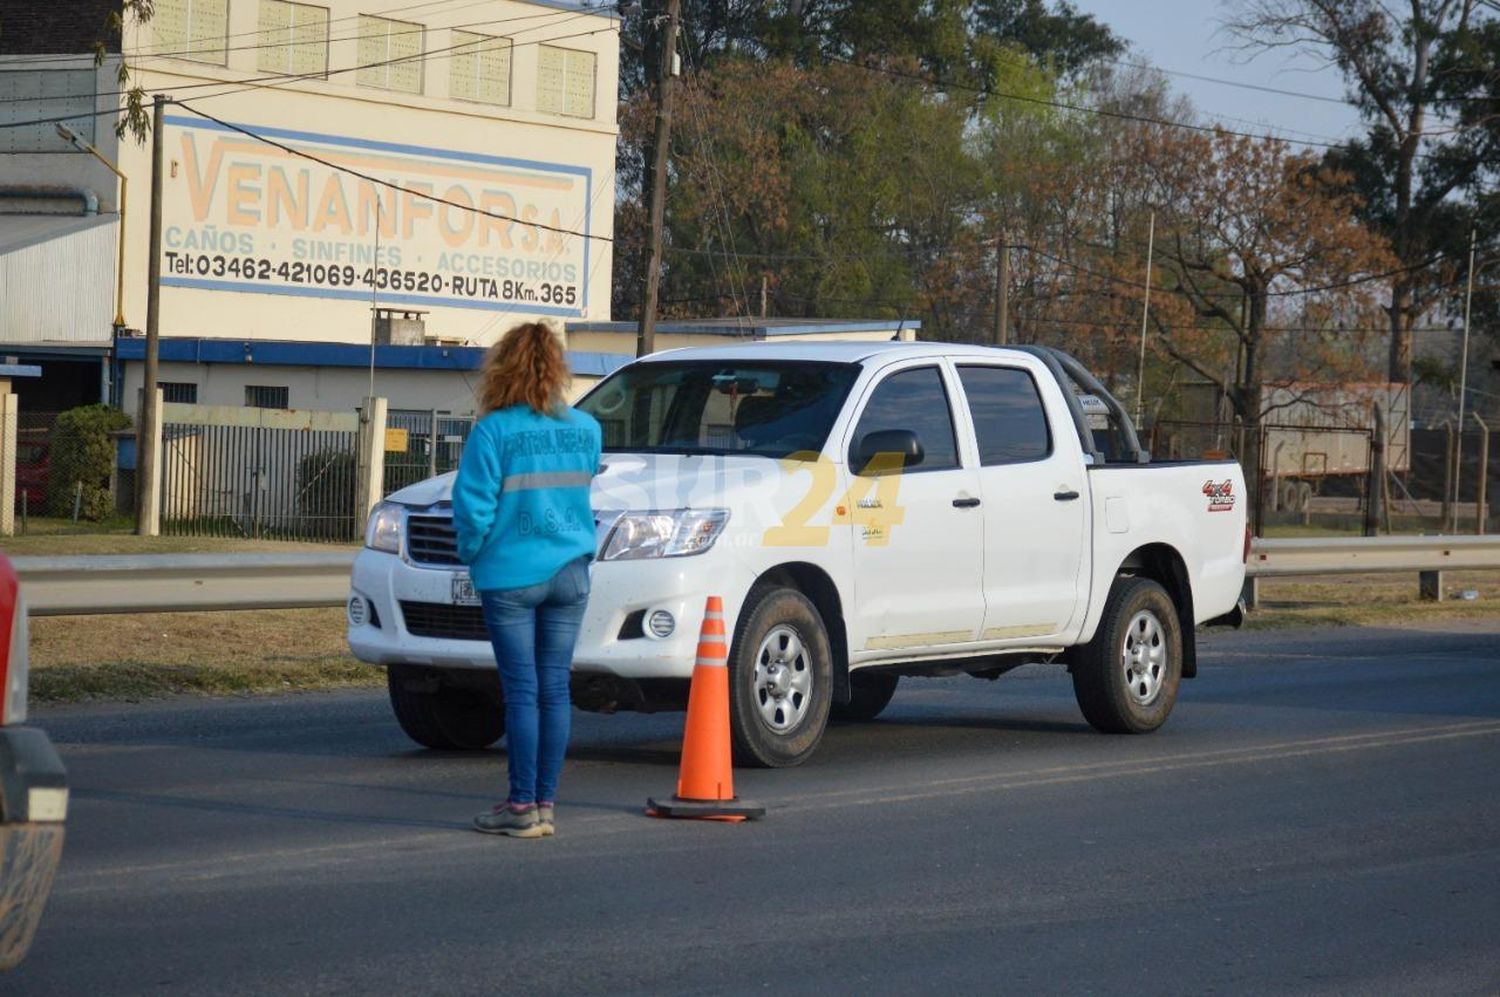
column 965, row 503
column 1066, row 496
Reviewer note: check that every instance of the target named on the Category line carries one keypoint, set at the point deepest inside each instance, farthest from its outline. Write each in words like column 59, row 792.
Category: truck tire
column 869, row 694
column 780, row 679
column 1126, row 678
column 443, row 717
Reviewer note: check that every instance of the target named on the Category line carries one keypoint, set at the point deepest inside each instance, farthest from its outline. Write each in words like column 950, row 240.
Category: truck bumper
column 615, row 638
column 33, row 807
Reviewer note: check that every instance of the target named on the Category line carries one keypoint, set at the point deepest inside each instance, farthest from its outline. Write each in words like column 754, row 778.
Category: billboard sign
column 452, row 229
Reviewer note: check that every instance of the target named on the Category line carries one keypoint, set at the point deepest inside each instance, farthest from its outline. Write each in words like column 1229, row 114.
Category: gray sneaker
column 544, row 817
column 501, row 819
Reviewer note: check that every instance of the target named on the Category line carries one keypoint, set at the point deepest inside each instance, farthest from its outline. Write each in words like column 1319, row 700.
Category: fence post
column 432, row 445
column 371, row 485
column 149, row 483
column 1448, row 497
column 1481, row 500
column 1375, row 488
column 9, row 407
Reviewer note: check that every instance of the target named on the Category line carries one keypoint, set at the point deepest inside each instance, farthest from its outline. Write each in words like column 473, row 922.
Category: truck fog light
column 357, row 614
column 661, row 623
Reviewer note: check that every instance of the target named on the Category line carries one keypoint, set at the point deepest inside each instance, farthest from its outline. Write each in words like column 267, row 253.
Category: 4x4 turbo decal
column 1220, row 495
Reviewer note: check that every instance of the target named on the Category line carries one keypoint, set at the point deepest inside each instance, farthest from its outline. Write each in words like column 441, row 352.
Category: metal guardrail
column 164, row 583
column 168, row 583
column 1358, row 555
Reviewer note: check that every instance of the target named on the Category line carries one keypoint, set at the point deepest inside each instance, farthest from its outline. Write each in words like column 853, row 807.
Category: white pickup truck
column 866, row 511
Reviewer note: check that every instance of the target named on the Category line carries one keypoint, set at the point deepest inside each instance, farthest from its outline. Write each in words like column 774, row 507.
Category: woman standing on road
column 526, row 531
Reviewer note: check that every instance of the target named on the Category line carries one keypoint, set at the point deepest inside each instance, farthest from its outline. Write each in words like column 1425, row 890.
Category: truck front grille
column 432, row 540
column 444, row 621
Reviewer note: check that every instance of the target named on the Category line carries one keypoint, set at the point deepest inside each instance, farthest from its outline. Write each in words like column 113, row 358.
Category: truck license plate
column 463, row 591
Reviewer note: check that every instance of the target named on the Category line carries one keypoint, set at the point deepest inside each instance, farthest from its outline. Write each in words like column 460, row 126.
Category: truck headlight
column 384, row 529
column 672, row 533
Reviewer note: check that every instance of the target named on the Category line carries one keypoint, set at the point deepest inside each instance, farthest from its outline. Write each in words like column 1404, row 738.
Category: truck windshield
column 771, row 409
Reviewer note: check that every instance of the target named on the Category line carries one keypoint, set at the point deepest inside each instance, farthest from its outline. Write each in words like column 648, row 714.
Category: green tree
column 82, row 458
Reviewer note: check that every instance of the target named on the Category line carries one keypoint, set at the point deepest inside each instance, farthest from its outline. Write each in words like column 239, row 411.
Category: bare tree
column 1411, row 160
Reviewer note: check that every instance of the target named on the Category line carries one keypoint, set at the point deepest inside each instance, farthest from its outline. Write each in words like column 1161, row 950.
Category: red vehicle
column 33, row 468
column 33, row 787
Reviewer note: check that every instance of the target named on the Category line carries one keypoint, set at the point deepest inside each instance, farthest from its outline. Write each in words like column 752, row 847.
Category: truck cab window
column 1009, row 423
column 916, row 400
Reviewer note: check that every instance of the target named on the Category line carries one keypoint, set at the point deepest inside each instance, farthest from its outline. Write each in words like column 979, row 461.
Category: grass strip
column 137, row 680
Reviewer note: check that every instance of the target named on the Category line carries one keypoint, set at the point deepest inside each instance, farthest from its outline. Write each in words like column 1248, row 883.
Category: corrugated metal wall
column 59, row 290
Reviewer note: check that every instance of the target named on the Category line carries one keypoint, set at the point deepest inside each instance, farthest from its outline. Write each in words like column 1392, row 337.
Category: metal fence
column 430, row 443
column 68, row 477
column 259, row 482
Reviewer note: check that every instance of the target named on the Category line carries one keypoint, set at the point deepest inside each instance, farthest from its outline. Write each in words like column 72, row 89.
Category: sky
column 1187, row 36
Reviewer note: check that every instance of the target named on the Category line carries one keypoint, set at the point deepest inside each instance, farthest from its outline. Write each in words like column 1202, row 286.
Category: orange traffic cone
column 705, row 780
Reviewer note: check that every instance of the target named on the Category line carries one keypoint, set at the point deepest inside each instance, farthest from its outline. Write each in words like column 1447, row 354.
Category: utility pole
column 765, row 294
column 1002, row 292
column 645, row 341
column 148, row 427
column 1140, row 370
column 1463, row 388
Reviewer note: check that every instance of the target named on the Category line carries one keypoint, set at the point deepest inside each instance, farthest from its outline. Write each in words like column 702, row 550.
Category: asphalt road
column 1320, row 815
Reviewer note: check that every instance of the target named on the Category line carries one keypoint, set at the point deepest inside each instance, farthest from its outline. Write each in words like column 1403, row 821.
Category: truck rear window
column 770, row 409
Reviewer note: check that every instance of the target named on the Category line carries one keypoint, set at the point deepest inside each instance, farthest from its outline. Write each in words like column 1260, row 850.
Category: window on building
column 191, row 29
column 293, row 38
column 1008, row 418
column 390, row 54
column 183, row 392
column 266, row 396
column 914, row 399
column 565, row 81
column 45, row 95
column 480, row 68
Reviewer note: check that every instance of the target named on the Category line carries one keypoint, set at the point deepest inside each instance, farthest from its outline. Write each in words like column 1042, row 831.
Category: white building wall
column 339, row 389
column 249, row 196
column 515, row 160
column 59, row 290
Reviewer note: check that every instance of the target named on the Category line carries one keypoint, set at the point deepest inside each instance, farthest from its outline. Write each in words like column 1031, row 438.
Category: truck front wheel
column 1126, row 678
column 442, row 716
column 780, row 679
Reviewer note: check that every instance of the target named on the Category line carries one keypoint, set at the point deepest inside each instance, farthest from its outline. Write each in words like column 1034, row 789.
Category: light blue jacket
column 521, row 497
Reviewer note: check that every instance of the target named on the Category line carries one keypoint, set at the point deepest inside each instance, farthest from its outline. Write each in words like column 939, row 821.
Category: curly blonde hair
column 526, row 367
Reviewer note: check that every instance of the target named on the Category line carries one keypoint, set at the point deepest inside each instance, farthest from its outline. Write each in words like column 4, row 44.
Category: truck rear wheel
column 443, row 717
column 869, row 694
column 1126, row 678
column 780, row 679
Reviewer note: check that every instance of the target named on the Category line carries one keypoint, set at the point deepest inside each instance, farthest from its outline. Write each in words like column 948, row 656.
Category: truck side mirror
column 886, row 450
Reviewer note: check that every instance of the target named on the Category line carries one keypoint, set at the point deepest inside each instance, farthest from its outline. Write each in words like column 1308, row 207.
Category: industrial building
column 447, row 166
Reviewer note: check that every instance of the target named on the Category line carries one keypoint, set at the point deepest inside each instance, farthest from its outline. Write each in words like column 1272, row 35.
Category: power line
column 1063, row 105
column 1076, row 266
column 1228, row 83
column 326, row 73
column 238, row 86
column 203, row 44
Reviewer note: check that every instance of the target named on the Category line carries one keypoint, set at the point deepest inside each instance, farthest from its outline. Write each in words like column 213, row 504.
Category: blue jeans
column 534, row 630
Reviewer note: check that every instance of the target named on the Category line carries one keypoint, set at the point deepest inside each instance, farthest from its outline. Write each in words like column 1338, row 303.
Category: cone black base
column 675, row 806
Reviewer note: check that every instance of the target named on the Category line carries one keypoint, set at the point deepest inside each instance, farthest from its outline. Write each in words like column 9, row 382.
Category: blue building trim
column 281, row 353
column 611, row 11
column 426, row 300
column 750, row 328
column 397, row 147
